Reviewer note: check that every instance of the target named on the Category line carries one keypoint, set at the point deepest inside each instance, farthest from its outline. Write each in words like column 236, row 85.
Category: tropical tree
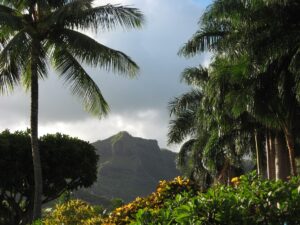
column 35, row 32
column 239, row 29
column 68, row 164
column 184, row 125
column 216, row 138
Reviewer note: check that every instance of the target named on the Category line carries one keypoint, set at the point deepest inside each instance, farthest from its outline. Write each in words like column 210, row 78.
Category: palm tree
column 202, row 116
column 241, row 28
column 35, row 32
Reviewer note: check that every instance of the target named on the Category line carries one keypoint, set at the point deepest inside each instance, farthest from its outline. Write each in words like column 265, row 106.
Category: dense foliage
column 248, row 200
column 246, row 102
column 68, row 163
column 73, row 212
column 165, row 190
column 78, row 212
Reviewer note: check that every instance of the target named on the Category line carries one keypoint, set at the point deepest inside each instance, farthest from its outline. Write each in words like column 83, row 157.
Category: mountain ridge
column 129, row 167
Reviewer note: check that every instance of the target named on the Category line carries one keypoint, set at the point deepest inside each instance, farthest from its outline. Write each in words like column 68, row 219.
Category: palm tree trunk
column 270, row 155
column 289, row 138
column 258, row 153
column 37, row 168
column 281, row 157
column 222, row 178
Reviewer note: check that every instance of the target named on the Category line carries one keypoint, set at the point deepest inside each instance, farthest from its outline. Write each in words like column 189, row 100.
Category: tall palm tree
column 238, row 28
column 35, row 32
column 185, row 125
column 202, row 116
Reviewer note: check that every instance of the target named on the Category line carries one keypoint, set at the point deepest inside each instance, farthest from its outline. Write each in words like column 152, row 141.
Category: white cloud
column 146, row 124
column 138, row 106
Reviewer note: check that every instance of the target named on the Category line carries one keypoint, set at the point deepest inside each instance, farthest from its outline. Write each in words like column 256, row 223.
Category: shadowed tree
column 184, row 125
column 68, row 164
column 36, row 32
column 203, row 116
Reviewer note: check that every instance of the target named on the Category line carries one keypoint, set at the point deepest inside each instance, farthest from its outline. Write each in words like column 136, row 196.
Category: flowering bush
column 250, row 200
column 165, row 190
column 73, row 212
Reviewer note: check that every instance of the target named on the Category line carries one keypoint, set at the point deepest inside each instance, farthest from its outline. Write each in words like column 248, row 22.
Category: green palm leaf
column 10, row 18
column 80, row 14
column 186, row 102
column 13, row 60
column 194, row 76
column 93, row 53
column 80, row 82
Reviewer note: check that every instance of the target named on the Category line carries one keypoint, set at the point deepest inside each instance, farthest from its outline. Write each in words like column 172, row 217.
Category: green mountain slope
column 129, row 167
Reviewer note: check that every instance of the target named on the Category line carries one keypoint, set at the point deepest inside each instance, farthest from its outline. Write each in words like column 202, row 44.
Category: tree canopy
column 67, row 163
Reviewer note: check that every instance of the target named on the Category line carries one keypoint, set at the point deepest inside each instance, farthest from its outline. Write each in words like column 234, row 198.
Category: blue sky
column 137, row 105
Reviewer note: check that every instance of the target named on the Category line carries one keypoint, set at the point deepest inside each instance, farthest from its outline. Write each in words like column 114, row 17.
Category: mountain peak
column 131, row 166
column 122, row 135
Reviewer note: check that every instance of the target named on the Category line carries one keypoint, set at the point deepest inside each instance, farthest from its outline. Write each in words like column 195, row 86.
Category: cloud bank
column 137, row 105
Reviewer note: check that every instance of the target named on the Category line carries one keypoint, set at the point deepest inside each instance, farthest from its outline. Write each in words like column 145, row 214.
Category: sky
column 140, row 105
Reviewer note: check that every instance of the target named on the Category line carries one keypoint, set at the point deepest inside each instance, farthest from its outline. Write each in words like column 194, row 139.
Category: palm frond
column 194, row 76
column 9, row 76
column 10, row 3
column 109, row 16
column 10, row 18
column 201, row 41
column 57, row 3
column 41, row 64
column 95, row 54
column 71, row 9
column 13, row 61
column 187, row 101
column 185, row 149
column 181, row 127
column 81, row 15
column 80, row 82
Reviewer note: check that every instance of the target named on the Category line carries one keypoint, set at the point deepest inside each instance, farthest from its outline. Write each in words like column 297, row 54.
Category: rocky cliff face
column 131, row 166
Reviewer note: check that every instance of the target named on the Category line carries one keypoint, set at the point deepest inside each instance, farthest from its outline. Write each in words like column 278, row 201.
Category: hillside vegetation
column 248, row 200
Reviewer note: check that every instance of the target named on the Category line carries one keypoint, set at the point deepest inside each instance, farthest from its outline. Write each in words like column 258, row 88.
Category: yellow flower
column 179, row 180
column 235, row 179
column 138, row 199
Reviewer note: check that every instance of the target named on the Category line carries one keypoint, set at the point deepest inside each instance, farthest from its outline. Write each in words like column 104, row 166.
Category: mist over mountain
column 129, row 167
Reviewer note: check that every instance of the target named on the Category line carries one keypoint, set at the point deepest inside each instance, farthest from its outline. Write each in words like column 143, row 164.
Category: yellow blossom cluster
column 73, row 212
column 235, row 181
column 165, row 190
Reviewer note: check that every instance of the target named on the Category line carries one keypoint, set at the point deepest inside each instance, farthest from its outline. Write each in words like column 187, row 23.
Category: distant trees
column 67, row 164
column 252, row 86
column 37, row 32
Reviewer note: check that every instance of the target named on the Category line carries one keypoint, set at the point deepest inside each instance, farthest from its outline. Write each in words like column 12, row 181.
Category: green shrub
column 37, row 222
column 250, row 200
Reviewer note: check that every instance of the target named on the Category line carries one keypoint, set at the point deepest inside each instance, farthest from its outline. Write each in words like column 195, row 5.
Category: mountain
column 129, row 167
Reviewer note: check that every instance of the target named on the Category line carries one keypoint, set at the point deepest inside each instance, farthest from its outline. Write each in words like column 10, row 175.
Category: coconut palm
column 36, row 32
